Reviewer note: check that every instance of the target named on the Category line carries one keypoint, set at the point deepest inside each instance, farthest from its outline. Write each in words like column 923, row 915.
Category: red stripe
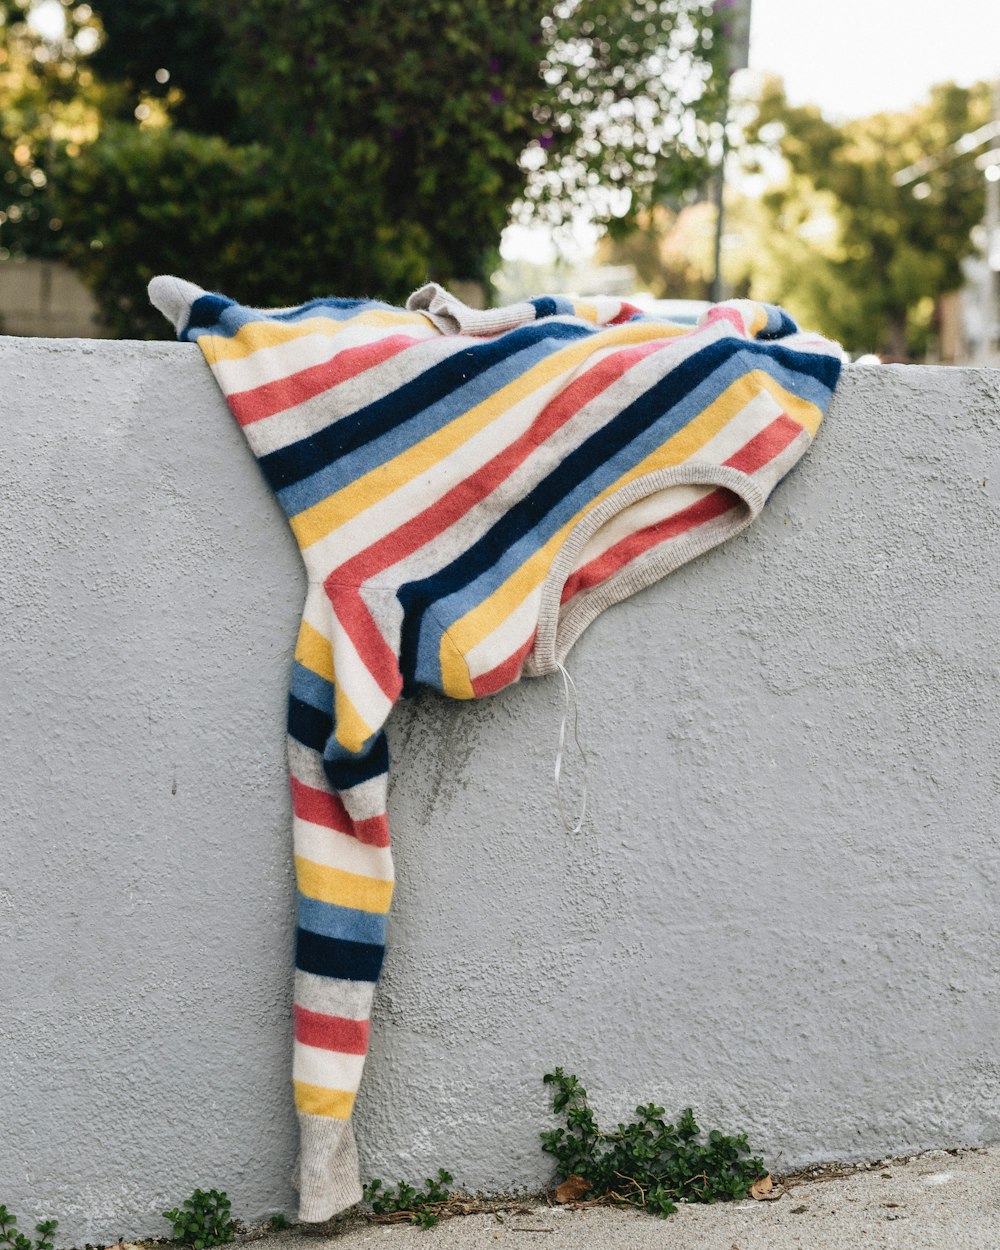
column 349, row 1037
column 753, row 455
column 763, row 447
column 718, row 313
column 505, row 673
column 358, row 623
column 320, row 807
column 609, row 562
column 628, row 311
column 271, row 397
column 413, row 534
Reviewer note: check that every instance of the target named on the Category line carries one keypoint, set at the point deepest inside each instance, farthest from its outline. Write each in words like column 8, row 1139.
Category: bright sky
column 852, row 58
column 855, row 57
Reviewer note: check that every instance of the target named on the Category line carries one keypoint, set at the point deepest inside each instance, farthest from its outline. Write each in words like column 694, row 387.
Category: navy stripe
column 205, row 312
column 594, row 454
column 544, row 306
column 344, row 771
column 333, row 957
column 225, row 318
column 309, row 455
column 308, row 724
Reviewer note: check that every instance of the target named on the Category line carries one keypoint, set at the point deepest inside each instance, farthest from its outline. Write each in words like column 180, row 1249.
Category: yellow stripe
column 588, row 312
column 315, row 1100
column 800, row 410
column 258, row 334
column 322, row 518
column 455, row 679
column 346, row 889
column 314, row 652
column 482, row 620
column 759, row 320
column 353, row 731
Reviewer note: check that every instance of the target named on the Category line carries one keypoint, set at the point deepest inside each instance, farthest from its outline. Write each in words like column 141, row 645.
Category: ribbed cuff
column 327, row 1173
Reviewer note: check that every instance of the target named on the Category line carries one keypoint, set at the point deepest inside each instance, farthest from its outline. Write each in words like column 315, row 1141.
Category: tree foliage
column 49, row 103
column 857, row 255
column 363, row 148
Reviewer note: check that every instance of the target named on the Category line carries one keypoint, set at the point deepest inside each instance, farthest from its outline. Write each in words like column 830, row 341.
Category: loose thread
column 568, row 684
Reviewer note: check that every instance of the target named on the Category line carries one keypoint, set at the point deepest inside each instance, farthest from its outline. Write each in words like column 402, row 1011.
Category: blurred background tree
column 283, row 150
column 833, row 236
column 865, row 257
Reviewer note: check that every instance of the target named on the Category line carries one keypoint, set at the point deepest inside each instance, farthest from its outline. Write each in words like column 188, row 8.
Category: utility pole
column 735, row 29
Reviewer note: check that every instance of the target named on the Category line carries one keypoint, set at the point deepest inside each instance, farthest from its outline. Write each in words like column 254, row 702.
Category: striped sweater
column 469, row 490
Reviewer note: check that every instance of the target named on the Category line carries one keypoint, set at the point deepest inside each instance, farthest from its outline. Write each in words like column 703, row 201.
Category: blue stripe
column 616, row 448
column 309, row 687
column 304, row 458
column 346, row 923
column 421, row 422
column 216, row 315
column 779, row 324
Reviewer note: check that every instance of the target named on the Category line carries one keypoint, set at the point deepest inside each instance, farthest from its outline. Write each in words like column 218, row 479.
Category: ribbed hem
column 555, row 637
column 326, row 1175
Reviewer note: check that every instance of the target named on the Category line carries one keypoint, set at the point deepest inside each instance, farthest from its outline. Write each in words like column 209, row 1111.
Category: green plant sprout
column 203, row 1219
column 409, row 1204
column 649, row 1163
column 9, row 1235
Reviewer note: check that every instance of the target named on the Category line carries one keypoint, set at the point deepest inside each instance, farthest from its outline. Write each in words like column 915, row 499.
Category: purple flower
column 395, row 133
column 494, row 65
column 545, row 139
column 497, row 96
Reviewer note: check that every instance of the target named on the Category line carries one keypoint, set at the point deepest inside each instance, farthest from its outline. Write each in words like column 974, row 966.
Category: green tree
column 388, row 143
column 845, row 246
column 49, row 102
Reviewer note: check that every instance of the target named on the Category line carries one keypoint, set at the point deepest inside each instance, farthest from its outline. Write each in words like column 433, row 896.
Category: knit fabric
column 469, row 490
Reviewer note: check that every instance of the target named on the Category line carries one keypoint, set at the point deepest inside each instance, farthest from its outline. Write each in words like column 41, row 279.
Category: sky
column 852, row 58
column 855, row 57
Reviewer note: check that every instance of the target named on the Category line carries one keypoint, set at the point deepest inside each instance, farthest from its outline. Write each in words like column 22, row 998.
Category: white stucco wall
column 782, row 909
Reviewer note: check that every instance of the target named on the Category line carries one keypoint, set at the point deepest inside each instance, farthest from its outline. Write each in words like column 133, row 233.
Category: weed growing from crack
column 416, row 1206
column 202, row 1220
column 10, row 1237
column 648, row 1163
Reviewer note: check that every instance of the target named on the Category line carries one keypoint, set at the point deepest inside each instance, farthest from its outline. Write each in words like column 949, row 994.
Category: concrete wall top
column 781, row 910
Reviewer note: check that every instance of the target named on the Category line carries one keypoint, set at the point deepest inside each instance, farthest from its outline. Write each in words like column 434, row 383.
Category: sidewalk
column 935, row 1201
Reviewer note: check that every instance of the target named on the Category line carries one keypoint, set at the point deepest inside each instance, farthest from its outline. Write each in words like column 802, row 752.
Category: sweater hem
column 555, row 638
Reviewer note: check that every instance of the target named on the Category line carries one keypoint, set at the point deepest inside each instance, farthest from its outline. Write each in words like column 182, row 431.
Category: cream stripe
column 367, row 799
column 510, row 634
column 333, row 997
column 469, row 630
column 549, row 374
column 258, row 335
column 355, row 678
column 302, row 420
column 755, row 416
column 340, row 850
column 329, row 1069
column 649, row 511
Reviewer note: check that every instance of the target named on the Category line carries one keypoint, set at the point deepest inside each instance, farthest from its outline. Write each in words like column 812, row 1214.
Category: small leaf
column 761, row 1188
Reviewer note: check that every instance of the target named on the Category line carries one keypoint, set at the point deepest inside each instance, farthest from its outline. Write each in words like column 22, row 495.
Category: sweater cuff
column 327, row 1172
